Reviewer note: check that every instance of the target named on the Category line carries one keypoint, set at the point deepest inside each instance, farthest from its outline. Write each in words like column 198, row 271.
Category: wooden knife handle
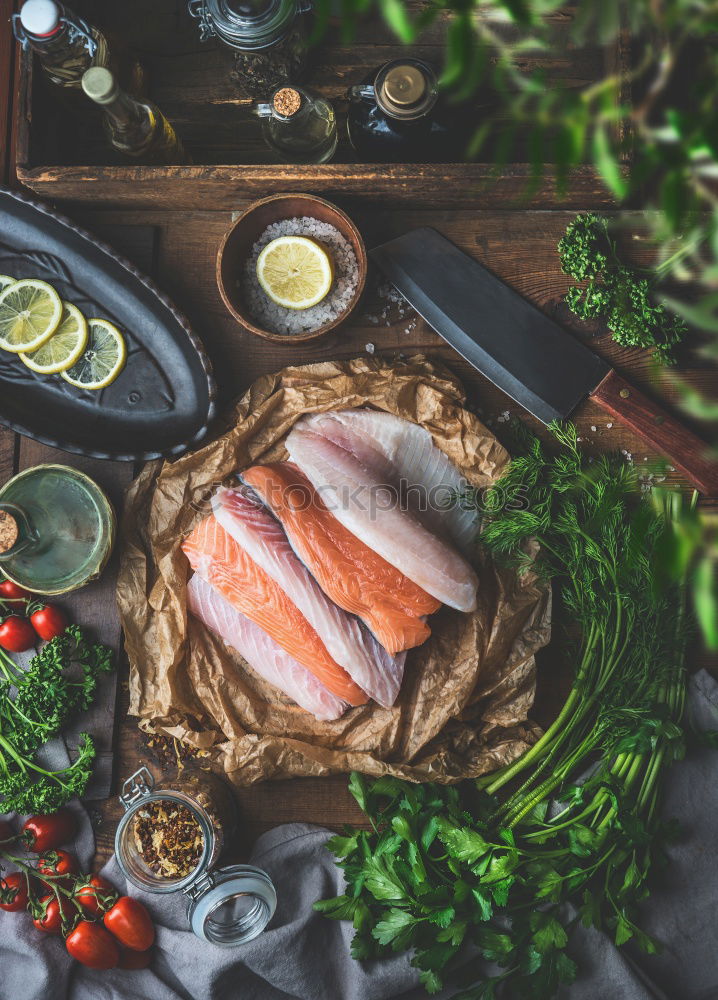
column 660, row 430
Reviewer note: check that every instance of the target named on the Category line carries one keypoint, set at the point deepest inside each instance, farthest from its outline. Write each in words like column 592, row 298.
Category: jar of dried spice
column 269, row 39
column 169, row 840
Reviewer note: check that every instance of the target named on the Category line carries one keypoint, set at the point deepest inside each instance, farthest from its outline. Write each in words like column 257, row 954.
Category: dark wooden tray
column 61, row 156
column 164, row 398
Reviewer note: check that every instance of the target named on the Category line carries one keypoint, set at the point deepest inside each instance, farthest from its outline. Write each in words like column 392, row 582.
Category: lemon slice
column 102, row 360
column 64, row 347
column 30, row 312
column 6, row 280
column 295, row 272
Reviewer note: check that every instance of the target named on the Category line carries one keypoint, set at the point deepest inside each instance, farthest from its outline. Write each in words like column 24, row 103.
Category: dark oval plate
column 164, row 398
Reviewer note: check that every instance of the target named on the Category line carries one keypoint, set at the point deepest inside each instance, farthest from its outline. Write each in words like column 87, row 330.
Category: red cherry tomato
column 131, row 924
column 45, row 833
column 134, row 959
column 51, row 914
column 17, row 634
column 12, row 592
column 13, row 892
column 93, row 946
column 6, row 831
column 58, row 863
column 48, row 621
column 90, row 895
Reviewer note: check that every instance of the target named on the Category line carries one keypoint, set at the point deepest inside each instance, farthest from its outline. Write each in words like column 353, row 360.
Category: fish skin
column 366, row 506
column 350, row 573
column 224, row 564
column 347, row 641
column 265, row 656
column 405, row 453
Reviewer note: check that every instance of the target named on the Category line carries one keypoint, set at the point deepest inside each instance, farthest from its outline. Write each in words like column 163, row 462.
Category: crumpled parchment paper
column 462, row 709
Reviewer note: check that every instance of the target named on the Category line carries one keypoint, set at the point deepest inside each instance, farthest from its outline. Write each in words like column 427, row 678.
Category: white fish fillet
column 262, row 653
column 406, row 454
column 348, row 642
column 360, row 499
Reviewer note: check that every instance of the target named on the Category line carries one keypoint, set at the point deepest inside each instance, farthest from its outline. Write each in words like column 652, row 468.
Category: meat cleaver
column 523, row 352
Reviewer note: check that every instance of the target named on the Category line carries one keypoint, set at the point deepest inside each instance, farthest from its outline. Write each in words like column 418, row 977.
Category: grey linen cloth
column 303, row 956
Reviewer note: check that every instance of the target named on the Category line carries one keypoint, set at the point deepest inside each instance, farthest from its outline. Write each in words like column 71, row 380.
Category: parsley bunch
column 614, row 292
column 496, row 872
column 34, row 704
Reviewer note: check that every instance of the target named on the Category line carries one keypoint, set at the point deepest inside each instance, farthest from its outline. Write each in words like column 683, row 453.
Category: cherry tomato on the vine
column 93, row 946
column 13, row 892
column 47, row 620
column 130, row 923
column 12, row 592
column 51, row 912
column 90, row 895
column 58, row 862
column 17, row 634
column 45, row 833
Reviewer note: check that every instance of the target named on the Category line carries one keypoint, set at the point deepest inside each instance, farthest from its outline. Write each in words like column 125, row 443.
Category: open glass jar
column 269, row 39
column 169, row 840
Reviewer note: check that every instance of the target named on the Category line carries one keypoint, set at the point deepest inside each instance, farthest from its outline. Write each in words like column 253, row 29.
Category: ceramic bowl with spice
column 290, row 215
column 170, row 839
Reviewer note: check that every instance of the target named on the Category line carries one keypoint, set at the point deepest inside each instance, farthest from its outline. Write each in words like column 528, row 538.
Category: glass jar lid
column 251, row 24
column 231, row 905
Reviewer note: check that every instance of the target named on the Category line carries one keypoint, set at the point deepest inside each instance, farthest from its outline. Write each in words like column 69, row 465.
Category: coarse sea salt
column 278, row 319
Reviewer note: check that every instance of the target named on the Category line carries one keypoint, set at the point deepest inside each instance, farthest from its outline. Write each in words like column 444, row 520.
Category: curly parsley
column 614, row 292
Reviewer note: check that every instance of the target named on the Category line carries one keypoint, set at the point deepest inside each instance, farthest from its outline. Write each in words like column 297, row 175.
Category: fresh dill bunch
column 612, row 291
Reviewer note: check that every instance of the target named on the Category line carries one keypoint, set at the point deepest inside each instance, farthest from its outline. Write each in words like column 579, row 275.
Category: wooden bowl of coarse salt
column 295, row 215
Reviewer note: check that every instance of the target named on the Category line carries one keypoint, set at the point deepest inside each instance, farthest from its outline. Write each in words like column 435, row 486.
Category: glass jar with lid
column 269, row 39
column 170, row 839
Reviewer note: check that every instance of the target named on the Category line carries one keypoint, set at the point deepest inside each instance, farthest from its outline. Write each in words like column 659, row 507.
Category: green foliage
column 479, row 873
column 60, row 681
column 613, row 292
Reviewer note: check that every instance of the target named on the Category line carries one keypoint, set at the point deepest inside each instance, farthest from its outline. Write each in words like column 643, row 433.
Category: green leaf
column 381, row 879
column 397, row 17
column 395, row 923
column 339, row 908
column 607, row 164
column 442, row 917
column 494, row 946
column 500, row 867
column 400, row 824
column 484, row 906
column 357, row 787
column 705, row 599
column 624, row 930
column 548, row 933
column 342, row 847
column 463, row 843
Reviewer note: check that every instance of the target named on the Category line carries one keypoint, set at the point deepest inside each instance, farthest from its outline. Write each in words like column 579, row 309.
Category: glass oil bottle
column 135, row 129
column 298, row 126
column 65, row 45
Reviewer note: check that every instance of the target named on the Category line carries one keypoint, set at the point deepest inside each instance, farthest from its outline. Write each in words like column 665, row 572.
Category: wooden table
column 178, row 248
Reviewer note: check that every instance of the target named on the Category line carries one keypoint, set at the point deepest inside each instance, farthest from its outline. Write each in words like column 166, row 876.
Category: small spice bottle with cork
column 170, row 839
column 298, row 126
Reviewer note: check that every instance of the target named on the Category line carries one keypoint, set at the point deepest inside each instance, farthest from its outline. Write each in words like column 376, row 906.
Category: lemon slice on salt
column 30, row 312
column 102, row 360
column 295, row 272
column 64, row 347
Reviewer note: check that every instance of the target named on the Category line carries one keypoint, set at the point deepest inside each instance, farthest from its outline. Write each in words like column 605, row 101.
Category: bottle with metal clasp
column 269, row 39
column 398, row 116
column 225, row 906
column 65, row 45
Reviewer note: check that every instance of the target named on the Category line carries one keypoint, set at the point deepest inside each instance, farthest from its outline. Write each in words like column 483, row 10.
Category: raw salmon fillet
column 348, row 642
column 224, row 564
column 406, row 455
column 350, row 573
column 367, row 505
column 265, row 656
